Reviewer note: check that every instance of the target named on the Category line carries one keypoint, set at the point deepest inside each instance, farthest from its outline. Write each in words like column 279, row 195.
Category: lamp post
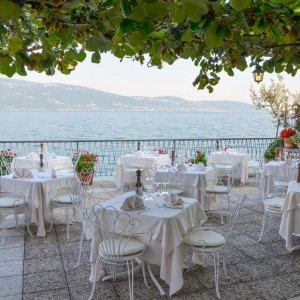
column 258, row 74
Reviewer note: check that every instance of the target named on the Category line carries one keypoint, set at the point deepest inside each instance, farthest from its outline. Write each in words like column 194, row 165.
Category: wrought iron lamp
column 258, row 74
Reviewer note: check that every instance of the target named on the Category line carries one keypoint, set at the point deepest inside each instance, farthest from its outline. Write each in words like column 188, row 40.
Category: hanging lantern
column 258, row 74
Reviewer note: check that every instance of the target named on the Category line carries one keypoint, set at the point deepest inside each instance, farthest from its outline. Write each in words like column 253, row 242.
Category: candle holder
column 139, row 187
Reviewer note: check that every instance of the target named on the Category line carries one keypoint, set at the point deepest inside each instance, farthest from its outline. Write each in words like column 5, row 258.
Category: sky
column 129, row 78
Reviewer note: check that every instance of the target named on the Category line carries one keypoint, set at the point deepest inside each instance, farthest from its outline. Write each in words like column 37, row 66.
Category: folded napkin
column 181, row 167
column 22, row 173
column 133, row 203
column 140, row 154
column 32, row 155
column 200, row 166
column 173, row 200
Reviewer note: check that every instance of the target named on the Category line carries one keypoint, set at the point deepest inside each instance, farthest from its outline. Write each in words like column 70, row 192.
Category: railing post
column 173, row 152
column 139, row 146
column 217, row 147
column 77, row 146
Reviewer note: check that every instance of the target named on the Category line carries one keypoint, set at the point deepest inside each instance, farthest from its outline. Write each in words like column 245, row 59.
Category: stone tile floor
column 42, row 268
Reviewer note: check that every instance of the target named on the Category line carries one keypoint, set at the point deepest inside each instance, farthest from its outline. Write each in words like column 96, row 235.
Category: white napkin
column 174, row 201
column 200, row 166
column 22, row 173
column 133, row 203
column 156, row 153
column 140, row 154
column 32, row 155
column 182, row 168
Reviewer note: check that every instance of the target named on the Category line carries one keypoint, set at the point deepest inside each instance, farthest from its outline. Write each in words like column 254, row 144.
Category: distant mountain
column 24, row 95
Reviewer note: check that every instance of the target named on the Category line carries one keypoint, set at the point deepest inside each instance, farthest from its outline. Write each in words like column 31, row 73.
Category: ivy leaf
column 15, row 43
column 212, row 40
column 146, row 29
column 240, row 4
column 97, row 42
column 195, row 9
column 222, row 31
column 9, row 9
column 96, row 57
column 81, row 56
column 187, row 36
column 178, row 14
column 128, row 25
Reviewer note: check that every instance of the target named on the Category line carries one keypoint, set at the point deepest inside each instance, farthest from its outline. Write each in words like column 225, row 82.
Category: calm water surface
column 86, row 125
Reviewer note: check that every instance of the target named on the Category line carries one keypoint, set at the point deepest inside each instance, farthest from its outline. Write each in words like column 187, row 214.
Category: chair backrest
column 6, row 166
column 226, row 177
column 166, row 179
column 114, row 230
column 233, row 214
column 77, row 192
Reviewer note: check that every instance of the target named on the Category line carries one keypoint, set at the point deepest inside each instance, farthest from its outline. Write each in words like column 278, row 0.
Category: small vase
column 288, row 143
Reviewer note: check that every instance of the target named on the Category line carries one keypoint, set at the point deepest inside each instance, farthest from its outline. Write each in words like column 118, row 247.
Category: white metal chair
column 77, row 192
column 274, row 200
column 168, row 180
column 119, row 242
column 12, row 203
column 60, row 198
column 220, row 188
column 209, row 240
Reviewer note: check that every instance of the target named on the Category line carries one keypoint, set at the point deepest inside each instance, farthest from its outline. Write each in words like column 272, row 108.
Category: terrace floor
column 42, row 268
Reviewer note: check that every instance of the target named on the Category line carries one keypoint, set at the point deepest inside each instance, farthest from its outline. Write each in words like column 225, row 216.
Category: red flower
column 287, row 132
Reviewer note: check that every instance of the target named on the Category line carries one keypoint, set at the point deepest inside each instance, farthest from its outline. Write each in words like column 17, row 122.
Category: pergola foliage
column 45, row 35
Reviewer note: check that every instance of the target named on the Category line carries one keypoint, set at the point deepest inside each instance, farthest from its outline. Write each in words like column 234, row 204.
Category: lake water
column 86, row 125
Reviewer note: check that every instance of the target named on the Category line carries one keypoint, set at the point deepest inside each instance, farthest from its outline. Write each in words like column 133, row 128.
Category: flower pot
column 83, row 177
column 288, row 143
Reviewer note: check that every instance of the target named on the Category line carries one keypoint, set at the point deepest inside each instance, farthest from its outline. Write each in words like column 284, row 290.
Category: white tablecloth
column 146, row 161
column 232, row 159
column 194, row 183
column 273, row 171
column 36, row 191
column 57, row 163
column 290, row 222
column 168, row 225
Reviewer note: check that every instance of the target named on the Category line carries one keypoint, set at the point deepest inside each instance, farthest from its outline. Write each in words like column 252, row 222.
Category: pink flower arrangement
column 6, row 157
column 161, row 151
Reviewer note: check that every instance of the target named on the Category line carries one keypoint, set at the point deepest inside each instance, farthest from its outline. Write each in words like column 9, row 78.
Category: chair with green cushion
column 209, row 240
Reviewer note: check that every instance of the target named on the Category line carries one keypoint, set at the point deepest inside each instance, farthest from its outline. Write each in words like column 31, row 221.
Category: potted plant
column 269, row 154
column 286, row 134
column 84, row 163
column 199, row 157
column 296, row 139
column 6, row 157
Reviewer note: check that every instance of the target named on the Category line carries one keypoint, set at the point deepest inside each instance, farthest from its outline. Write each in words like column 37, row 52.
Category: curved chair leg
column 144, row 275
column 225, row 269
column 216, row 271
column 262, row 227
column 16, row 218
column 80, row 250
column 162, row 292
column 3, row 231
column 52, row 220
column 95, row 278
column 67, row 221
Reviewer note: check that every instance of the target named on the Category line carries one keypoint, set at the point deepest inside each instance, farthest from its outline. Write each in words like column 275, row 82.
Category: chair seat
column 223, row 167
column 10, row 202
column 274, row 203
column 204, row 238
column 253, row 164
column 217, row 189
column 122, row 246
column 62, row 199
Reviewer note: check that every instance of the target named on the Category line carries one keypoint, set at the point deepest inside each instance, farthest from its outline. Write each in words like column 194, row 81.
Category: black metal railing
column 110, row 150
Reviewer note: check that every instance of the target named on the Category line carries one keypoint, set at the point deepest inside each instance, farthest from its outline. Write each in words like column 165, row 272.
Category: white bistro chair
column 209, row 240
column 120, row 243
column 12, row 203
column 60, row 198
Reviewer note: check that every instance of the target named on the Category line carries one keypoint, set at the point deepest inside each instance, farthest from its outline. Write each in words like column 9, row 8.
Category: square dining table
column 36, row 191
column 168, row 226
column 140, row 160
